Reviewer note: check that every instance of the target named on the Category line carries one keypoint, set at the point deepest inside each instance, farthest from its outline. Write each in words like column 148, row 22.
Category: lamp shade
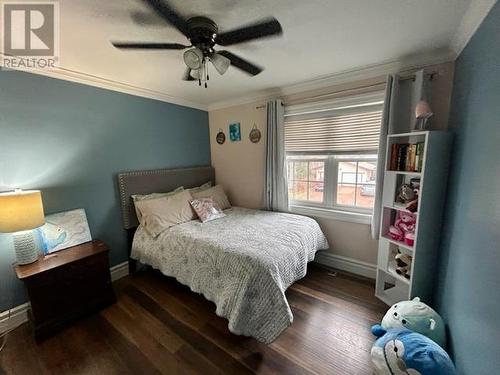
column 21, row 210
column 193, row 58
column 196, row 74
column 220, row 62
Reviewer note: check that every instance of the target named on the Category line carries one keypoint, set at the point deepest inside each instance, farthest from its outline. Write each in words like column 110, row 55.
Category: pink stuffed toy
column 404, row 224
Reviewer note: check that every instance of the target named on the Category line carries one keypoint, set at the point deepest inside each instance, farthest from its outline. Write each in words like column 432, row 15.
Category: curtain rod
column 264, row 106
column 372, row 85
column 430, row 76
column 333, row 93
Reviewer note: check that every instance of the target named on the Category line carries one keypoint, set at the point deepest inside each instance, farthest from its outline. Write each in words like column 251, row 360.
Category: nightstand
column 67, row 285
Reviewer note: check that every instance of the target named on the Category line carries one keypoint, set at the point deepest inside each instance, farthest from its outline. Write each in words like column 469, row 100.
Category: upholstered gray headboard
column 156, row 181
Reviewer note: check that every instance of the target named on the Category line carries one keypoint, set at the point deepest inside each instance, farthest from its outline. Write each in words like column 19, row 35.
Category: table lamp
column 20, row 212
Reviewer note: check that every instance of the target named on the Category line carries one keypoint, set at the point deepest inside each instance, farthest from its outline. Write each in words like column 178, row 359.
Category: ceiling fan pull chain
column 205, row 70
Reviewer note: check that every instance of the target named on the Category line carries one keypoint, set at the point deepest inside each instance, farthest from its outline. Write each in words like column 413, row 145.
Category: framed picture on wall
column 235, row 132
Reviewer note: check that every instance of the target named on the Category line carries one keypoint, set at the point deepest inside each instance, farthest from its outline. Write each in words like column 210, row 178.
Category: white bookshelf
column 390, row 286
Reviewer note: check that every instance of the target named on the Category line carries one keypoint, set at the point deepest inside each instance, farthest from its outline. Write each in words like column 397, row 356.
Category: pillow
column 139, row 197
column 205, row 186
column 159, row 214
column 217, row 194
column 206, row 209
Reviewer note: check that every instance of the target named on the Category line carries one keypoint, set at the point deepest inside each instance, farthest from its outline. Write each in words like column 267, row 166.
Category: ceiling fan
column 203, row 34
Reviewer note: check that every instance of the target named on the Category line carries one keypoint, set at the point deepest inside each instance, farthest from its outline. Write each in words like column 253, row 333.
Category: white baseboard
column 19, row 314
column 354, row 266
column 119, row 271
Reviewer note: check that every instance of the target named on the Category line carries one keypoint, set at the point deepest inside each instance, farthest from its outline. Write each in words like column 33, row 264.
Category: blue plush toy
column 400, row 351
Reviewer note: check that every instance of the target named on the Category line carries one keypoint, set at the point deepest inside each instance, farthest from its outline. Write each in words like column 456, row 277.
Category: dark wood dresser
column 67, row 285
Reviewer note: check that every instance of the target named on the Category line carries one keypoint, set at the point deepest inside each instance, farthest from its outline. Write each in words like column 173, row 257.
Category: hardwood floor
column 160, row 327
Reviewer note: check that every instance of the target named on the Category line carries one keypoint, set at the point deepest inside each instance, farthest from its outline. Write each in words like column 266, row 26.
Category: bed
column 243, row 262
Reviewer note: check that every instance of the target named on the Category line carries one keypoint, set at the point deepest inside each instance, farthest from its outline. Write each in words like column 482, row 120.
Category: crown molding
column 108, row 84
column 472, row 19
column 370, row 71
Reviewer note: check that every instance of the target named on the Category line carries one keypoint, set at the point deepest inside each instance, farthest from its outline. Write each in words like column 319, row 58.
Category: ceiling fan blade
column 127, row 45
column 165, row 11
column 145, row 19
column 187, row 75
column 265, row 28
column 241, row 63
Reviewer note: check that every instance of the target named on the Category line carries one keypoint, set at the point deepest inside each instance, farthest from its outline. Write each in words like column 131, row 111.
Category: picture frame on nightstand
column 63, row 230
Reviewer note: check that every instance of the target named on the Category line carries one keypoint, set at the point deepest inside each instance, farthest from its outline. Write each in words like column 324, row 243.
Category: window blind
column 351, row 129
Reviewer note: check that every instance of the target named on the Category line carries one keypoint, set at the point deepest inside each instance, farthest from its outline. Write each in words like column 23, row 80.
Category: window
column 332, row 154
column 306, row 180
column 355, row 185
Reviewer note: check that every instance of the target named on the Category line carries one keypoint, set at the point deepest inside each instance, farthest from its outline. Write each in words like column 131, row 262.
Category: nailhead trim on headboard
column 125, row 201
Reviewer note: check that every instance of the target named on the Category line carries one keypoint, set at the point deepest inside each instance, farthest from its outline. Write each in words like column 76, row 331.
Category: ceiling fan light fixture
column 196, row 74
column 193, row 58
column 221, row 63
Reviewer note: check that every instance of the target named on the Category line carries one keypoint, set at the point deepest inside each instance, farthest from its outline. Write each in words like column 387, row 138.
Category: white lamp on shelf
column 21, row 212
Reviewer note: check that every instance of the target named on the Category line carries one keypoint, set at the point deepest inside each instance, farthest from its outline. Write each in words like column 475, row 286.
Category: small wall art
column 63, row 230
column 235, row 132
column 220, row 137
column 255, row 134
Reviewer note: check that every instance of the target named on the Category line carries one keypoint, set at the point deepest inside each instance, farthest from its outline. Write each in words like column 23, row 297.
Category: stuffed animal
column 406, row 222
column 405, row 194
column 399, row 351
column 403, row 264
column 416, row 316
column 403, row 225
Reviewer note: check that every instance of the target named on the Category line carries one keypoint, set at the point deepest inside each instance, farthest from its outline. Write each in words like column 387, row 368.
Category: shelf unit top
column 423, row 132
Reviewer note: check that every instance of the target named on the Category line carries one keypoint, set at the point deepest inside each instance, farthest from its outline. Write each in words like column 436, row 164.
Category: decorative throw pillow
column 138, row 197
column 218, row 195
column 159, row 214
column 206, row 209
column 205, row 186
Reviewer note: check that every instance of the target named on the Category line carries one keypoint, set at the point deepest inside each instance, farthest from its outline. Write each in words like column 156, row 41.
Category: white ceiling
column 321, row 37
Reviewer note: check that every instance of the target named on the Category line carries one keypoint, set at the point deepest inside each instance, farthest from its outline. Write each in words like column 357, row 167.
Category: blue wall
column 70, row 140
column 468, row 295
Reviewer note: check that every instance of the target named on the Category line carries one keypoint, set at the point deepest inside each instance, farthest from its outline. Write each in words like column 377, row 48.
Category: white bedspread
column 243, row 263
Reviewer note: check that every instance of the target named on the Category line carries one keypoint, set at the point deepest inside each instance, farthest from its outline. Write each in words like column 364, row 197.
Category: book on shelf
column 406, row 157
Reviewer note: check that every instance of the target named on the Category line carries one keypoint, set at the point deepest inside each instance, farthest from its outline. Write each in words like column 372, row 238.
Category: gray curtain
column 401, row 97
column 387, row 127
column 276, row 189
